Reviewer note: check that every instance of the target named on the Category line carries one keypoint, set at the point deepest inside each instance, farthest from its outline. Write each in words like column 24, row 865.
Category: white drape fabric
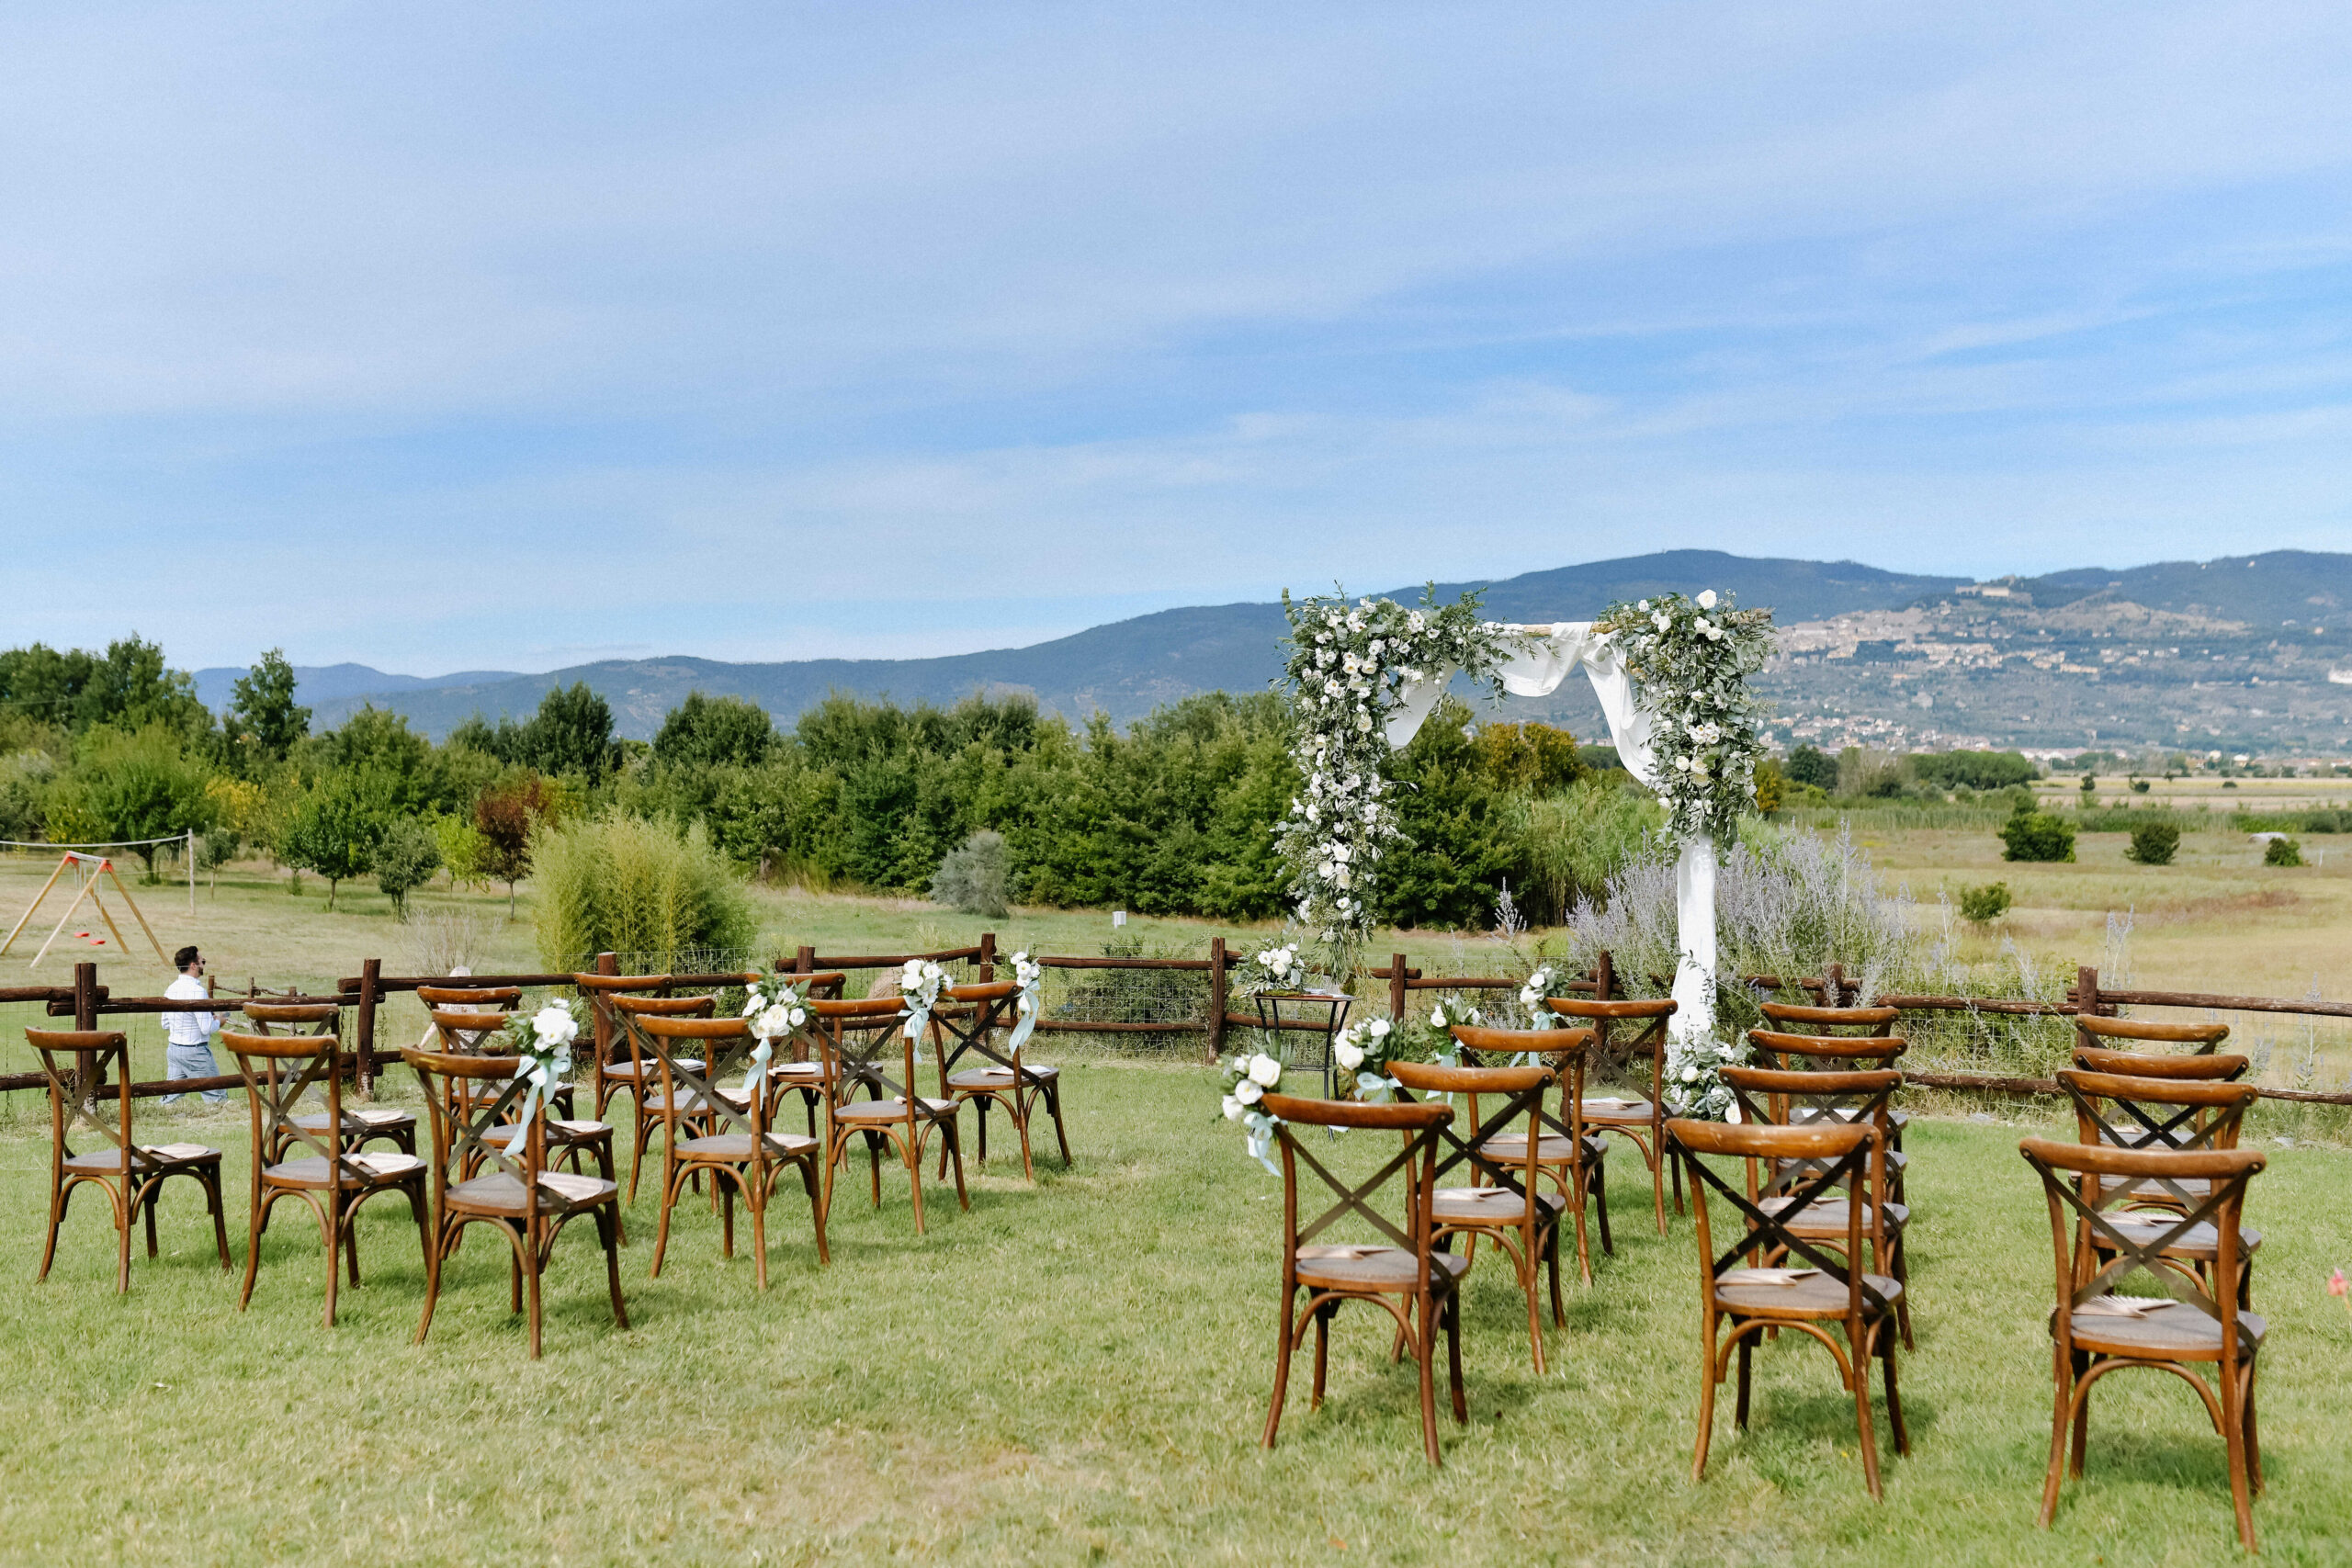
column 1556, row 652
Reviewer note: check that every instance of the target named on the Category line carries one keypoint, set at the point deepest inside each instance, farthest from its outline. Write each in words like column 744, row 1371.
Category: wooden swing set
column 88, row 869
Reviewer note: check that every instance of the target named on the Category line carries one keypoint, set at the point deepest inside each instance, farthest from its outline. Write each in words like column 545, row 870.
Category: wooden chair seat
column 992, row 1078
column 2177, row 1333
column 560, row 1191
column 810, row 1073
column 171, row 1156
column 2200, row 1245
column 1510, row 1147
column 644, row 1072
column 735, row 1148
column 1488, row 1205
column 1617, row 1111
column 310, row 1175
column 1380, row 1268
column 687, row 1103
column 893, row 1110
column 1824, row 1219
column 1815, row 1296
column 559, row 1132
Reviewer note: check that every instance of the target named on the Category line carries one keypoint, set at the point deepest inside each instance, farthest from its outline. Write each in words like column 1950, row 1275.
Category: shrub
column 1772, row 786
column 1812, row 765
column 1983, row 905
column 2282, row 850
column 1573, row 841
column 2152, row 843
column 405, row 859
column 1972, row 770
column 638, row 886
column 2139, row 786
column 2037, row 836
column 972, row 878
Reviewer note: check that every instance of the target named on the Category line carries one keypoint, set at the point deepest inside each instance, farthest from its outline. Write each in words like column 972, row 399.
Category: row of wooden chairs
column 680, row 1063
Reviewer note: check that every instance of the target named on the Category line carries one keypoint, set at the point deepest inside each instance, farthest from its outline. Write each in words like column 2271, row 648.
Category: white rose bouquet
column 1246, row 1079
column 778, row 1008
column 1694, row 1086
column 1030, row 975
column 543, row 1040
column 1275, row 968
column 920, row 982
column 1364, row 1052
column 1547, row 981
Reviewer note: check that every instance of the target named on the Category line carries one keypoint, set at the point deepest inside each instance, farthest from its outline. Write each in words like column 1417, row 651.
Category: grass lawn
column 1078, row 1372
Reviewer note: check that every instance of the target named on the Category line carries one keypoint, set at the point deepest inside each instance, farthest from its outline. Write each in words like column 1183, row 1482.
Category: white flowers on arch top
column 1671, row 675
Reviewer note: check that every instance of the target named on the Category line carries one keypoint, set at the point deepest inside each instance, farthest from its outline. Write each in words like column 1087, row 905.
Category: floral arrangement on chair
column 1548, row 980
column 778, row 1008
column 1246, row 1079
column 1029, row 975
column 543, row 1040
column 1364, row 1052
column 920, row 982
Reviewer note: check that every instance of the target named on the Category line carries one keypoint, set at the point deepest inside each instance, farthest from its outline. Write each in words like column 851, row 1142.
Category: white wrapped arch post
column 1559, row 649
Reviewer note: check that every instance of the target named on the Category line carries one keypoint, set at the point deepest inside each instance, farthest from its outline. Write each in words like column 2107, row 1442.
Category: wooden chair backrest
column 1871, row 1020
column 1774, row 1098
column 1612, row 1050
column 1416, row 1163
column 77, row 1085
column 2158, row 1113
column 474, row 1094
column 2220, row 1067
column 293, row 1015
column 1836, row 1158
column 726, row 1044
column 855, row 1037
column 1521, row 1090
column 480, row 997
column 2201, row 1038
column 290, row 1066
column 1841, row 1051
column 2083, row 1181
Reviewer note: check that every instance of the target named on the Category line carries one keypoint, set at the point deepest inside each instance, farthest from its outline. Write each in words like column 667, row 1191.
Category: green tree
column 128, row 787
column 405, row 858
column 715, row 731
column 264, row 722
column 571, row 733
column 2031, row 835
column 1812, row 765
column 128, row 687
column 378, row 741
column 336, row 827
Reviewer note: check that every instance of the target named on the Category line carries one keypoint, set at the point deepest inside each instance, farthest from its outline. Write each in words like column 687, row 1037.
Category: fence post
column 2086, row 991
column 805, row 961
column 1397, row 986
column 85, row 997
column 1833, row 980
column 371, row 970
column 600, row 1009
column 988, row 956
column 1216, row 999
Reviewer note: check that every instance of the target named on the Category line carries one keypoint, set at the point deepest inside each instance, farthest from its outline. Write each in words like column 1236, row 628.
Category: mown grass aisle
column 1078, row 1372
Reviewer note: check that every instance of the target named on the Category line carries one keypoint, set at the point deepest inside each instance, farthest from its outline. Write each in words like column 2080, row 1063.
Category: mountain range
column 2022, row 629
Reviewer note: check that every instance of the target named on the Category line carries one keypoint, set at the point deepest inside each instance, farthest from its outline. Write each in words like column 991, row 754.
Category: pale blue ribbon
column 1262, row 1139
column 762, row 1049
column 1025, row 1021
column 536, row 1073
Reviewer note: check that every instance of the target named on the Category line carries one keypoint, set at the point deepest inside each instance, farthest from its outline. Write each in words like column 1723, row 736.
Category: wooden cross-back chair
column 569, row 1139
column 961, row 1026
column 1569, row 1149
column 2095, row 1332
column 1767, row 1098
column 863, row 1041
column 279, row 1070
column 1829, row 1289
column 617, row 1063
column 1797, row 1038
column 2139, row 1035
column 805, row 1074
column 77, row 1063
column 1410, row 1279
column 652, row 1104
column 1641, row 1122
column 2165, row 1113
column 362, row 1125
column 1507, row 1204
column 2220, row 1067
column 521, row 1199
column 741, row 1149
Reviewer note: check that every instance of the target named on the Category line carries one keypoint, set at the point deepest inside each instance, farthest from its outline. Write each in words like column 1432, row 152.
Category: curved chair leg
column 1282, row 1371
column 220, row 1219
column 608, row 1224
column 1709, row 1377
column 1431, row 1309
column 255, row 1225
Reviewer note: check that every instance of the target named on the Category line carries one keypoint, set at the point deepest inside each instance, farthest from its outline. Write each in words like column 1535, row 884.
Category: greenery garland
column 1691, row 659
column 1347, row 668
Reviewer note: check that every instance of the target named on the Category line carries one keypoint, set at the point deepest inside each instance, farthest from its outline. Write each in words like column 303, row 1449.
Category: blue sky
column 442, row 337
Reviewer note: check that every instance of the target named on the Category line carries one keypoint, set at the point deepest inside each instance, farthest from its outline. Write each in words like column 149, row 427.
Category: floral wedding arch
column 1671, row 674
